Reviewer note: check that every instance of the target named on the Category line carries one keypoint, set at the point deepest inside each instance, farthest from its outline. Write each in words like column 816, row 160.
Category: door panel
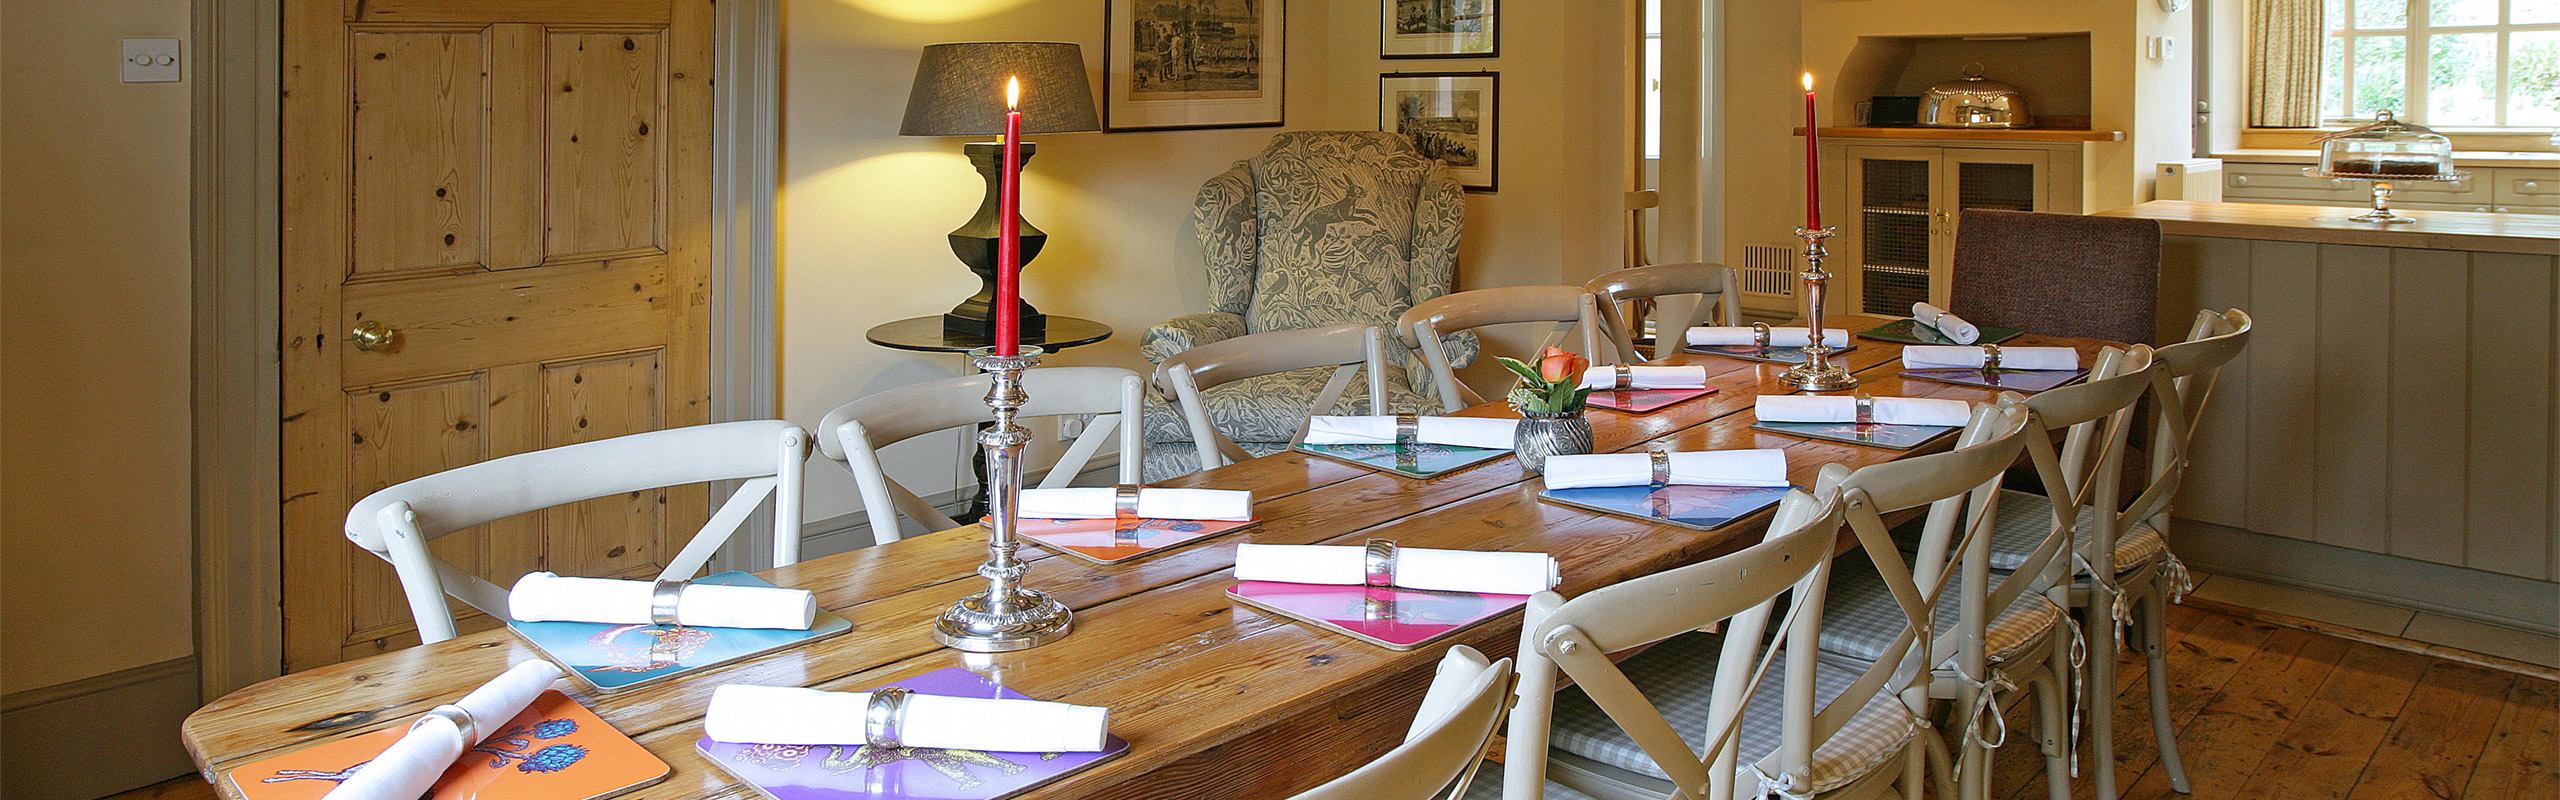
column 499, row 184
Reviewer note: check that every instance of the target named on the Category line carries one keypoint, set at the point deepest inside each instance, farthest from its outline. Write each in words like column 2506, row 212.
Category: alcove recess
column 2051, row 69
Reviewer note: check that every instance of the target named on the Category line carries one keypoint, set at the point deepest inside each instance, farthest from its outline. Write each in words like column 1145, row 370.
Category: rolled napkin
column 1924, row 356
column 1414, row 568
column 1489, row 433
column 1102, row 502
column 410, row 767
column 544, row 597
column 1778, row 337
column 791, row 715
column 1714, row 468
column 1888, row 410
column 1949, row 325
column 1646, row 377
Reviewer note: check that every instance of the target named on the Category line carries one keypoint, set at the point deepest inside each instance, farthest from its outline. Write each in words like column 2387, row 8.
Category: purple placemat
column 850, row 771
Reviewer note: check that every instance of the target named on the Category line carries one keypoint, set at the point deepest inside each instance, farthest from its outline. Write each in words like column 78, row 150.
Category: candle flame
column 1808, row 81
column 1013, row 92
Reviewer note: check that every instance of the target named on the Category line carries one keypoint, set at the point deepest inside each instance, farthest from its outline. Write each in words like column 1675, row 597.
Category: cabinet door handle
column 2239, row 180
column 2531, row 185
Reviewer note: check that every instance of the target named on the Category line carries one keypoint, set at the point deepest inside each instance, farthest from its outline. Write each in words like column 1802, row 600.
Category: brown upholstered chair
column 2058, row 274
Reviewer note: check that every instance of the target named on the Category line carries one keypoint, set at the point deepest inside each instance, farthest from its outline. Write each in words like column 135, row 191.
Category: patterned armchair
column 1322, row 228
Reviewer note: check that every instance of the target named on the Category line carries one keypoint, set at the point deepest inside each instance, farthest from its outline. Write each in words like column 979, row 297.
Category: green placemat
column 1910, row 331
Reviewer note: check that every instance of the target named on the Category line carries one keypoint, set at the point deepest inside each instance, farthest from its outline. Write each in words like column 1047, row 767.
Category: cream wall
column 95, row 574
column 865, row 210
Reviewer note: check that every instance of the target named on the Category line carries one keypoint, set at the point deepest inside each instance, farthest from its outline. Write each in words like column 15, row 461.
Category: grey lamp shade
column 959, row 89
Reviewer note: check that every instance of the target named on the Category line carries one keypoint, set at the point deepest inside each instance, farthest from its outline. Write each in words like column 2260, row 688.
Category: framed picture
column 1438, row 29
column 1192, row 64
column 1451, row 116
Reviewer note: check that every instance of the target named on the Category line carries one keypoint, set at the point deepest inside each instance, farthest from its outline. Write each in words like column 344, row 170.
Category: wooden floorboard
column 2265, row 711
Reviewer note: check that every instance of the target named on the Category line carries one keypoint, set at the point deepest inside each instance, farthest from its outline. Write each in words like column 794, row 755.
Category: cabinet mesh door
column 1893, row 210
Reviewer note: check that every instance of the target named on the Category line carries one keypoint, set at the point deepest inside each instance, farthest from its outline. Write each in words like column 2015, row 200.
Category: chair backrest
column 1576, row 637
column 853, row 434
column 1328, row 227
column 2058, row 274
column 1622, row 292
column 1567, row 307
column 1348, row 348
column 397, row 522
column 1447, row 741
column 2191, row 368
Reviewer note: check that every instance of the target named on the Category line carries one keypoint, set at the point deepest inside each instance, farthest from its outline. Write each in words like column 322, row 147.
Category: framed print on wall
column 1451, row 116
column 1192, row 64
column 1438, row 29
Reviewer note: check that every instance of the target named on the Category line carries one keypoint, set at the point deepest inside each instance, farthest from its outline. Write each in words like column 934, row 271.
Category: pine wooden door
column 516, row 192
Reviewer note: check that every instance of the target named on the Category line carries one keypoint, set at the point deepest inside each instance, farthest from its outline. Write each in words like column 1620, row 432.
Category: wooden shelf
column 1973, row 134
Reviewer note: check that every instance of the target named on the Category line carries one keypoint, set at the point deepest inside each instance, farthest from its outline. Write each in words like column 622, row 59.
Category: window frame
column 2416, row 34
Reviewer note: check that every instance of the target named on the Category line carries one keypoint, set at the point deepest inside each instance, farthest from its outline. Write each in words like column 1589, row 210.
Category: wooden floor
column 2265, row 711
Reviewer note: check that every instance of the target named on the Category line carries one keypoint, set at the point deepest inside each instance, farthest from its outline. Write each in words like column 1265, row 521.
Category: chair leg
column 2099, row 628
column 2155, row 612
column 1915, row 775
column 2053, row 726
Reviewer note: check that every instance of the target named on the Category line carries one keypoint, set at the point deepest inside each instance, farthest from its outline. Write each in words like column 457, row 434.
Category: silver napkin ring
column 1760, row 333
column 1408, row 431
column 1378, row 563
column 1124, row 510
column 1661, row 469
column 1866, row 409
column 459, row 716
column 1626, row 377
column 664, row 596
column 1990, row 358
column 882, row 718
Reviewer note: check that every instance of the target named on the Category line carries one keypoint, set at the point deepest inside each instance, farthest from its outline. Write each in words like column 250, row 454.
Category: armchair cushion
column 1175, row 335
column 1334, row 218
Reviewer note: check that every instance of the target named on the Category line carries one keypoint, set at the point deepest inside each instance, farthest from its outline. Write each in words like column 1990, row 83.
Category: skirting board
column 97, row 736
column 2451, row 591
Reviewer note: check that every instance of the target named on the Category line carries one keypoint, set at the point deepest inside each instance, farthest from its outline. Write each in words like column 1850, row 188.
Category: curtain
column 2284, row 60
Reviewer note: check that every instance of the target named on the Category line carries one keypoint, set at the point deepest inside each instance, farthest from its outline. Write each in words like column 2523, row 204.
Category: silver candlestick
column 1816, row 374
column 1006, row 616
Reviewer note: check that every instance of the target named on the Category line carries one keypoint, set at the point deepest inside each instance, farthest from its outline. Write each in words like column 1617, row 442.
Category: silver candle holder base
column 1007, row 616
column 1817, row 373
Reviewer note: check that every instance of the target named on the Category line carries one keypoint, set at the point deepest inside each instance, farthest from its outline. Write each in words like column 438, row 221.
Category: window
column 2446, row 63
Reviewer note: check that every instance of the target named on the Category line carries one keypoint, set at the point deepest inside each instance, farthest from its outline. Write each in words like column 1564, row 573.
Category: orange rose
column 1555, row 365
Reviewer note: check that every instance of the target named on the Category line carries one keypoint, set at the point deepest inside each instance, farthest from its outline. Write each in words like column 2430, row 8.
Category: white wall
column 95, row 573
column 865, row 210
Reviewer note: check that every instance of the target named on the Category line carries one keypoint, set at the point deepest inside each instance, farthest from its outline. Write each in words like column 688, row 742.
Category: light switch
column 150, row 60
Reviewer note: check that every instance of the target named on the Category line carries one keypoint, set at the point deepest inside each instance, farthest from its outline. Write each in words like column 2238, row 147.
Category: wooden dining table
column 1217, row 699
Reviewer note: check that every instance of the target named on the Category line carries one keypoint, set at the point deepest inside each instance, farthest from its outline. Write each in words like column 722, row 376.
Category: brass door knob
column 372, row 336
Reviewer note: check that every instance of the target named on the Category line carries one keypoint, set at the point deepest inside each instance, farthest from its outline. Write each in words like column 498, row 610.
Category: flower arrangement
column 1553, row 387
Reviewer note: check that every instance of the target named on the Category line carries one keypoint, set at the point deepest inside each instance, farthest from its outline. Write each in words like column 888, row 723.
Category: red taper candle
column 1812, row 163
column 1008, row 338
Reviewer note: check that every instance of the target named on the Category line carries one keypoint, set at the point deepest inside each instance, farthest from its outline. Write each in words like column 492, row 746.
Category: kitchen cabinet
column 2501, row 190
column 1897, row 238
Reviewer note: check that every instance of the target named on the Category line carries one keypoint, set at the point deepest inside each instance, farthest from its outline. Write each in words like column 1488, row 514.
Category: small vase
column 1549, row 433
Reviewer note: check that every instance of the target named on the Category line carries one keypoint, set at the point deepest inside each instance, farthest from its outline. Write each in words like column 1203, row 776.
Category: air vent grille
column 1769, row 269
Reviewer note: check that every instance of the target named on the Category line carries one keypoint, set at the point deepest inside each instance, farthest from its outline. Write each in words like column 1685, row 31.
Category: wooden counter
column 2527, row 234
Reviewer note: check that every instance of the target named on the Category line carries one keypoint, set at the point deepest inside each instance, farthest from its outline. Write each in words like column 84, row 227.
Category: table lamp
column 959, row 91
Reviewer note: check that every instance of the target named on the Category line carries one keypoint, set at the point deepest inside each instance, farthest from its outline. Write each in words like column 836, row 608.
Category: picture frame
column 1439, row 28
column 1186, row 64
column 1452, row 116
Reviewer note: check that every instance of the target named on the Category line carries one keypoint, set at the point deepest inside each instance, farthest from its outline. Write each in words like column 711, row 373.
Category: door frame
column 236, row 449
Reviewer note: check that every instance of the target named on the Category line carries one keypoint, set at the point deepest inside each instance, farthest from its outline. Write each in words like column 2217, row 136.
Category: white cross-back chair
column 1625, row 294
column 853, row 434
column 397, row 522
column 1348, row 348
column 1446, row 742
column 1565, row 307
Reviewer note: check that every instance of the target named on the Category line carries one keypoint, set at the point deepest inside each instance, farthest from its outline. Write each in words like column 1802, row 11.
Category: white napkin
column 411, row 765
column 1646, row 377
column 1778, row 337
column 1714, row 468
column 1889, row 410
column 1924, row 356
column 1953, row 327
column 792, row 715
column 1415, row 568
column 1102, row 502
column 1489, row 433
column 544, row 597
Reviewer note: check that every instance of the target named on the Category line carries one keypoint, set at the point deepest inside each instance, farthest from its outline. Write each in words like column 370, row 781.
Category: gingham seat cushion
column 2024, row 519
column 1678, row 675
column 1860, row 617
